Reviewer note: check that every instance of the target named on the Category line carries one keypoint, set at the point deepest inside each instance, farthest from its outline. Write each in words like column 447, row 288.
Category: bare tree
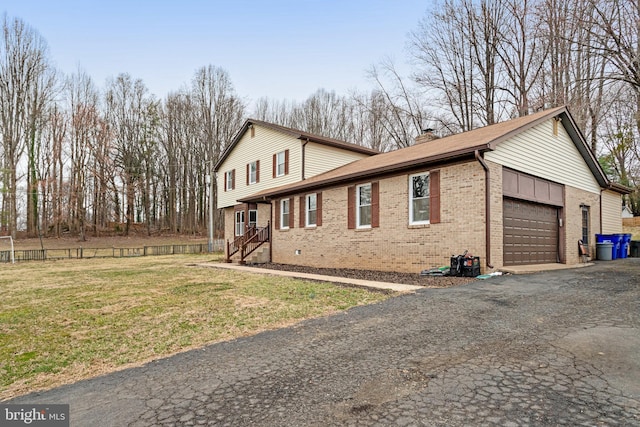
column 84, row 131
column 24, row 69
column 403, row 117
column 389, row 117
column 275, row 111
column 615, row 31
column 127, row 102
column 220, row 113
column 176, row 116
column 40, row 96
column 521, row 52
column 370, row 118
column 621, row 142
column 52, row 167
column 486, row 22
column 573, row 71
column 445, row 66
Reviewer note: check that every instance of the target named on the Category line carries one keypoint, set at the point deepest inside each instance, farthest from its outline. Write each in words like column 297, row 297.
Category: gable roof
column 444, row 149
column 295, row 133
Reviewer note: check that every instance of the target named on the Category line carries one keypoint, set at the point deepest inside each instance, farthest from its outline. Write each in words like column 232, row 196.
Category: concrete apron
column 537, row 268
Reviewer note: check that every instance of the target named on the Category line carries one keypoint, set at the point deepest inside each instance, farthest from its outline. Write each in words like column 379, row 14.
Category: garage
column 530, row 232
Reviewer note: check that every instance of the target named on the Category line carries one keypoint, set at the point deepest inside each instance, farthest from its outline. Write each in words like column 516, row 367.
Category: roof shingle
column 441, row 149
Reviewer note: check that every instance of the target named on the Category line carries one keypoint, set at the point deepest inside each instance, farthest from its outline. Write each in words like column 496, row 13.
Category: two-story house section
column 263, row 156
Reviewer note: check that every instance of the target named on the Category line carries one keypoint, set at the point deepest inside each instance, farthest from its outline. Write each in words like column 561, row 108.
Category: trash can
column 618, row 241
column 604, row 251
column 634, row 249
column 624, row 246
column 609, row 238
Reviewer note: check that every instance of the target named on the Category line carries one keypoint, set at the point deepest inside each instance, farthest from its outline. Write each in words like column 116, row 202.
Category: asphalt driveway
column 557, row 348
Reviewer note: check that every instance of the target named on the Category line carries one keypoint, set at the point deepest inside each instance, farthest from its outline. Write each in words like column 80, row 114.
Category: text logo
column 34, row 415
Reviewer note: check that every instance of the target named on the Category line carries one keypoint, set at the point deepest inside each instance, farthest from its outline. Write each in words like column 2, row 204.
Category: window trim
column 307, row 210
column 585, row 209
column 285, row 225
column 229, row 180
column 284, row 162
column 253, row 173
column 411, row 199
column 358, row 206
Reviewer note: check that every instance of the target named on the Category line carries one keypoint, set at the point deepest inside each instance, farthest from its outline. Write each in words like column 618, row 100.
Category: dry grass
column 68, row 320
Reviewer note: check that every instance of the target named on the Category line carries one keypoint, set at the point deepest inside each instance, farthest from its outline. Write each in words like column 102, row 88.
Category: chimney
column 426, row 136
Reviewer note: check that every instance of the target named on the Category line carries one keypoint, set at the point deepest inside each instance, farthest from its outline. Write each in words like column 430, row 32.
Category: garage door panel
column 530, row 233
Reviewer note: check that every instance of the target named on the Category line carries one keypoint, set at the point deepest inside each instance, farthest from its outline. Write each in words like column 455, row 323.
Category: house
column 626, row 212
column 263, row 156
column 520, row 192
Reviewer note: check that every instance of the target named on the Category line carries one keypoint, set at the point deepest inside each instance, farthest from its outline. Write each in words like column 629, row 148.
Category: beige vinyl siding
column 265, row 143
column 611, row 212
column 540, row 153
column 322, row 158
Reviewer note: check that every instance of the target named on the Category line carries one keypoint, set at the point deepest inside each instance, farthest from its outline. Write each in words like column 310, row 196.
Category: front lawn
column 64, row 321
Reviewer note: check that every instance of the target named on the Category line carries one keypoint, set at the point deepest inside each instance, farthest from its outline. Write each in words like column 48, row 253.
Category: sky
column 280, row 49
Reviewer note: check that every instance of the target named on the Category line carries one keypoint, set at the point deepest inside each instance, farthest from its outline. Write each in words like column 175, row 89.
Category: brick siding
column 573, row 214
column 394, row 245
column 397, row 246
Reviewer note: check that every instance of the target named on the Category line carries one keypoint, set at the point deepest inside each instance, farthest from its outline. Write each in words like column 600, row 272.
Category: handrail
column 254, row 242
column 248, row 242
column 235, row 245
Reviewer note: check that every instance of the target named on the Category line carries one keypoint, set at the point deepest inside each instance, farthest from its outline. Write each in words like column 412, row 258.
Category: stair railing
column 260, row 237
column 252, row 239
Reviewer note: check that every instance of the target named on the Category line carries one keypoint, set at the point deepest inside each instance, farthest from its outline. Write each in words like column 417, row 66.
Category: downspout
column 304, row 145
column 487, row 206
column 270, row 225
column 601, row 191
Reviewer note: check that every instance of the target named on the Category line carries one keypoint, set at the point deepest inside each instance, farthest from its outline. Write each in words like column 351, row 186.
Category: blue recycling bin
column 616, row 239
column 624, row 246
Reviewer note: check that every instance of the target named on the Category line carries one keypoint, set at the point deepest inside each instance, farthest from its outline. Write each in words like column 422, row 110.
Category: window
column 239, row 223
column 280, row 163
column 363, row 211
column 253, row 218
column 253, row 172
column 229, row 178
column 585, row 225
column 363, row 206
column 284, row 213
column 311, row 210
column 419, row 199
